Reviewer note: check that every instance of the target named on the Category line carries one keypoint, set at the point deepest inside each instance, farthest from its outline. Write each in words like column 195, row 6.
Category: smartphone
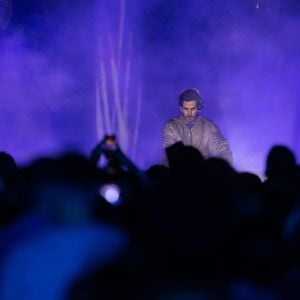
column 111, row 193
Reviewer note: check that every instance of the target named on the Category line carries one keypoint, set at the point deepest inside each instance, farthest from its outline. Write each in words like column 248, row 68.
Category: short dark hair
column 191, row 95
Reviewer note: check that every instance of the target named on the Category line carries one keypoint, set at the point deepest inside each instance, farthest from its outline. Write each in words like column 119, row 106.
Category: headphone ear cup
column 200, row 106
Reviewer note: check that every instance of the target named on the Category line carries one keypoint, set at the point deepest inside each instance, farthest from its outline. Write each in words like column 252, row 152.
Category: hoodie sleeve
column 169, row 135
column 218, row 146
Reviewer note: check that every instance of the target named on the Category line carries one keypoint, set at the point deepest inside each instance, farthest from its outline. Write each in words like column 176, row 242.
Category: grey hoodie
column 202, row 134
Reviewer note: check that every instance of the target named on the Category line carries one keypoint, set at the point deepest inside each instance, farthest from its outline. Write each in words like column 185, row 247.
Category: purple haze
column 245, row 61
column 47, row 74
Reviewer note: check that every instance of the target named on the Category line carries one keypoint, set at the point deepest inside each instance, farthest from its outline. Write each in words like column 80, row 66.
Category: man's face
column 189, row 110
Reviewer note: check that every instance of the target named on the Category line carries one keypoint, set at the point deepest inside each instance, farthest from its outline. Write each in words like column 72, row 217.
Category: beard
column 190, row 119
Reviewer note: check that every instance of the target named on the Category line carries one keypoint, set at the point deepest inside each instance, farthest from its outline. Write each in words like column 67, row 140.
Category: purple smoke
column 245, row 61
column 47, row 80
column 243, row 57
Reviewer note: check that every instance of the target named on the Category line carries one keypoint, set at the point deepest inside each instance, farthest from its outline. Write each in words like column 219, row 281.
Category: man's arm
column 168, row 136
column 168, row 140
column 218, row 146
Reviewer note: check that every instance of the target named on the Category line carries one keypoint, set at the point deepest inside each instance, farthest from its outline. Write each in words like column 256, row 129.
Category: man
column 194, row 130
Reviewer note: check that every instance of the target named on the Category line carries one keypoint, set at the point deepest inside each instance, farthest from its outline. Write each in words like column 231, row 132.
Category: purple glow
column 111, row 193
column 137, row 56
column 47, row 82
column 245, row 62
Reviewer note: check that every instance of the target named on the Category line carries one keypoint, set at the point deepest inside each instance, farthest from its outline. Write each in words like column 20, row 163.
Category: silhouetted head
column 281, row 163
column 183, row 159
column 8, row 169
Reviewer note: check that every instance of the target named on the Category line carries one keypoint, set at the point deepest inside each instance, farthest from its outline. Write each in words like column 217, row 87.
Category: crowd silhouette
column 98, row 227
